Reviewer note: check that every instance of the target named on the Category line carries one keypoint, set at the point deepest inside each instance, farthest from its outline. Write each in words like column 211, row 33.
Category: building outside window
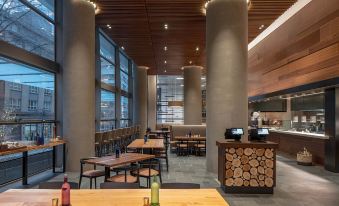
column 47, row 105
column 124, row 120
column 29, row 25
column 124, row 74
column 107, row 116
column 33, row 90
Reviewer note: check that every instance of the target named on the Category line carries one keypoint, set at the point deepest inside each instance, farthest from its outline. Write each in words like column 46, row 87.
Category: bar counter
column 247, row 167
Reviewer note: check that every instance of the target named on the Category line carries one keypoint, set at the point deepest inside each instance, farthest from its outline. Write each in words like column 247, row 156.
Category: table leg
column 24, row 168
column 64, row 158
column 54, row 158
column 107, row 173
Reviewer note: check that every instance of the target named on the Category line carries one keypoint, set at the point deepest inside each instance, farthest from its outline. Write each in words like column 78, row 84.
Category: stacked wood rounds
column 249, row 167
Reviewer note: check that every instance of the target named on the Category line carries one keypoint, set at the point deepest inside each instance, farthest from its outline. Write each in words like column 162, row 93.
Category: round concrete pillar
column 78, row 81
column 192, row 95
column 226, row 41
column 140, row 99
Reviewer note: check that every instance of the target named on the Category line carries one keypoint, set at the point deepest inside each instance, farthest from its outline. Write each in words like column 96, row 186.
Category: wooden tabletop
column 184, row 138
column 125, row 158
column 33, row 147
column 246, row 144
column 150, row 144
column 169, row 197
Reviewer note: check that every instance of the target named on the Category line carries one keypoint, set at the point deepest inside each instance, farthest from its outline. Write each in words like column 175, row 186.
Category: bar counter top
column 246, row 144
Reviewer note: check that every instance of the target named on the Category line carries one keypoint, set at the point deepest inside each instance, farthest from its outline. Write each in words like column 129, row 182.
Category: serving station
column 247, row 166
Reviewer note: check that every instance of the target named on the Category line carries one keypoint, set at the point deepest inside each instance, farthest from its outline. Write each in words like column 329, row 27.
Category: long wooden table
column 112, row 161
column 150, row 144
column 25, row 151
column 184, row 138
column 169, row 197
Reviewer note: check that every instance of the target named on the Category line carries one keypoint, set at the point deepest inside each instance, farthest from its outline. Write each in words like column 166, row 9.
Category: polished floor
column 296, row 185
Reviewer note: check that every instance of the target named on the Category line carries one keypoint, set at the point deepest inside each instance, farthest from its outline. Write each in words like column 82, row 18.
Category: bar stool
column 98, row 144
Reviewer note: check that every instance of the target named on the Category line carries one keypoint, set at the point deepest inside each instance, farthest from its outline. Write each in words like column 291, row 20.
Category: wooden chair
column 126, row 177
column 149, row 169
column 183, row 147
column 113, row 185
column 180, row 186
column 200, row 147
column 91, row 174
column 57, row 185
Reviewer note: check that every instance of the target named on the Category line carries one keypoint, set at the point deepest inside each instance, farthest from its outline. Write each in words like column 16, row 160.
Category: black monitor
column 234, row 133
column 259, row 134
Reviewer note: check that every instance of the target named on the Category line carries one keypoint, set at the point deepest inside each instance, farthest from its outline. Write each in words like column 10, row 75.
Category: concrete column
column 227, row 104
column 192, row 95
column 78, row 85
column 140, row 98
column 152, row 102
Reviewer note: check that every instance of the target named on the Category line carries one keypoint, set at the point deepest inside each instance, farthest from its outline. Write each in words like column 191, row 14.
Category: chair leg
column 167, row 162
column 80, row 181
column 90, row 184
column 95, row 183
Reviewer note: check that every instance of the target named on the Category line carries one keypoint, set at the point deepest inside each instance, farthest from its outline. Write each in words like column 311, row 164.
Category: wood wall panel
column 303, row 50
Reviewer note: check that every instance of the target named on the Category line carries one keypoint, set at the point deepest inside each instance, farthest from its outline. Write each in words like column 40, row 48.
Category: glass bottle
column 155, row 192
column 65, row 193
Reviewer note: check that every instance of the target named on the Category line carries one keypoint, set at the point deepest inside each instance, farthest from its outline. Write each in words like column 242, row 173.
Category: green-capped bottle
column 155, row 192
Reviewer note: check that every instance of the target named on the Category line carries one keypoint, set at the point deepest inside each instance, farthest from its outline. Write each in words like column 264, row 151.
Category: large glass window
column 107, row 72
column 23, row 89
column 107, row 50
column 170, row 97
column 21, row 26
column 124, row 74
column 107, row 110
column 124, row 112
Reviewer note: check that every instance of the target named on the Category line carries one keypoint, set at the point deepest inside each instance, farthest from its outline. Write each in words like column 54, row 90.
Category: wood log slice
column 246, row 175
column 254, row 171
column 236, row 162
column 254, row 163
column 263, row 158
column 238, row 182
column 246, row 183
column 240, row 151
column 231, row 150
column 260, row 152
column 261, row 170
column 229, row 157
column 269, row 163
column 254, row 183
column 235, row 156
column 248, row 151
column 228, row 165
column 237, row 172
column 269, row 172
column 246, row 168
column 244, row 159
column 229, row 173
column 268, row 153
column 262, row 163
column 262, row 183
column 261, row 177
column 229, row 182
column 269, row 182
column 254, row 156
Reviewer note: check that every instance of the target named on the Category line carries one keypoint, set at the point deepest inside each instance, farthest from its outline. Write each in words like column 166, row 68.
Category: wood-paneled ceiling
column 138, row 26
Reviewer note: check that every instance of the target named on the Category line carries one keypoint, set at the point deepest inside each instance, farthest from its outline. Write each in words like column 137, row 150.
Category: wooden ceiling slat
column 138, row 26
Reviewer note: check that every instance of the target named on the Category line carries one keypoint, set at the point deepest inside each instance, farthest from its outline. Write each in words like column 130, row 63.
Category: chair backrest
column 105, row 136
column 113, row 185
column 180, row 186
column 98, row 137
column 57, row 185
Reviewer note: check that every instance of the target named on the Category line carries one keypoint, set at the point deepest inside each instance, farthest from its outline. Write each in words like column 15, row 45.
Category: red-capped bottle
column 65, row 193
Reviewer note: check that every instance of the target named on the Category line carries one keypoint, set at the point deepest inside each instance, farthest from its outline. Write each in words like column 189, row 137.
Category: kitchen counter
column 304, row 134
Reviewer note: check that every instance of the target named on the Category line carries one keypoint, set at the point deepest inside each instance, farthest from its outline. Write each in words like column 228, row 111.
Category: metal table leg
column 64, row 158
column 24, row 168
column 54, row 158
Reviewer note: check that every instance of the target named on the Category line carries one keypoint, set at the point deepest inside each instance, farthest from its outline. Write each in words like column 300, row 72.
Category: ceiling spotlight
column 109, row 26
column 197, row 48
column 261, row 27
column 123, row 48
column 190, row 62
column 166, row 26
column 165, row 70
column 165, row 62
column 182, row 68
column 165, row 48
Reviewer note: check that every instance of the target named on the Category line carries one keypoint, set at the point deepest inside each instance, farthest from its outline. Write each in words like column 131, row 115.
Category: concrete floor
column 296, row 185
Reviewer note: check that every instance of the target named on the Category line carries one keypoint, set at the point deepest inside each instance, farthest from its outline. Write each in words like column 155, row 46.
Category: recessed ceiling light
column 165, row 62
column 165, row 48
column 261, row 27
column 182, row 68
column 123, row 48
column 166, row 26
column 197, row 48
column 108, row 26
column 190, row 62
column 165, row 70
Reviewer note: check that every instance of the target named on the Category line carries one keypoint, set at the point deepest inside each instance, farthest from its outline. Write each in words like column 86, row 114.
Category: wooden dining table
column 185, row 138
column 150, row 144
column 112, row 161
column 116, row 197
